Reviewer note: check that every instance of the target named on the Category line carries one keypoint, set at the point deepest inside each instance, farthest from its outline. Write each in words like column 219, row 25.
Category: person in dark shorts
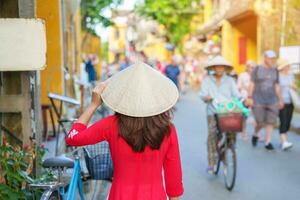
column 286, row 80
column 265, row 97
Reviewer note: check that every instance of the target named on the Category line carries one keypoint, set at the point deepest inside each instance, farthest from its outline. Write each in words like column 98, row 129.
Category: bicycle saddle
column 59, row 161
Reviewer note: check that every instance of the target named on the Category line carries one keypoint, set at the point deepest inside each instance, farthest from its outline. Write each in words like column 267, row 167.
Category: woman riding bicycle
column 217, row 86
column 142, row 139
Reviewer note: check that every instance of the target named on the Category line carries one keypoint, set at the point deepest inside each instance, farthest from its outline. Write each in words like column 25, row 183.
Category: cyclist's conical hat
column 217, row 61
column 140, row 91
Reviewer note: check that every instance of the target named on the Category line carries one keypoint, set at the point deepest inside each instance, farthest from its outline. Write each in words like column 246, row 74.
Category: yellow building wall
column 227, row 42
column 208, row 6
column 117, row 41
column 52, row 76
column 157, row 51
column 72, row 40
column 231, row 32
column 111, row 39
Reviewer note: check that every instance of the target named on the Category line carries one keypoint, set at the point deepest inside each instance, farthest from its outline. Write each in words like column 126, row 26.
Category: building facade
column 249, row 27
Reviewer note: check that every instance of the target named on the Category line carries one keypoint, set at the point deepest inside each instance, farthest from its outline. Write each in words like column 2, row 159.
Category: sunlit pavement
column 261, row 175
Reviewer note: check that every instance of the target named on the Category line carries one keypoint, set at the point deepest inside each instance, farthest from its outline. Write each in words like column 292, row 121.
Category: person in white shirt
column 287, row 83
column 244, row 79
column 243, row 82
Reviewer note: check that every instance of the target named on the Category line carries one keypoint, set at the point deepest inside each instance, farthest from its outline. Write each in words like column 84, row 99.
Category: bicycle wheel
column 51, row 195
column 229, row 167
column 55, row 196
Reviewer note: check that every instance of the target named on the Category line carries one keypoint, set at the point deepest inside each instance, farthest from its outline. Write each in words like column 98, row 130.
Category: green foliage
column 14, row 167
column 91, row 13
column 174, row 15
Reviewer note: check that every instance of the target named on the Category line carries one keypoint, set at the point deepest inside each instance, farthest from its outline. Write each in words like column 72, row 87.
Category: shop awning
column 213, row 24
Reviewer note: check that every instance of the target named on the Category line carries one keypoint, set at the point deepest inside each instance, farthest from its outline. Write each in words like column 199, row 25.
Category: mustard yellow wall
column 52, row 76
column 231, row 32
column 227, row 42
column 208, row 6
column 120, row 42
column 72, row 40
column 111, row 39
column 157, row 51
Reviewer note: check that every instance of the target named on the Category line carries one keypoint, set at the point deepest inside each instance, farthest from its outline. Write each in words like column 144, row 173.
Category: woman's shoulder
column 109, row 121
column 109, row 118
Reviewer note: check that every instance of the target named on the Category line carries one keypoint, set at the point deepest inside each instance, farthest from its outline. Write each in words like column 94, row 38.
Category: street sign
column 22, row 44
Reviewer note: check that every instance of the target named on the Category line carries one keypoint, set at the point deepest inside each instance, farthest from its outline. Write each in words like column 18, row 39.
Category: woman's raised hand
column 96, row 94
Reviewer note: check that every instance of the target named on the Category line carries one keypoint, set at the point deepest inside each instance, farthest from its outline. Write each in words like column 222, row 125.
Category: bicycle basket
column 230, row 122
column 98, row 161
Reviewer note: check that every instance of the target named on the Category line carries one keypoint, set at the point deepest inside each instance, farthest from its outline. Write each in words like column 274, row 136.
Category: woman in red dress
column 143, row 141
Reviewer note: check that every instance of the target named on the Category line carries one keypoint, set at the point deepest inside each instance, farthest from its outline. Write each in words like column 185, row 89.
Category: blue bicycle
column 57, row 190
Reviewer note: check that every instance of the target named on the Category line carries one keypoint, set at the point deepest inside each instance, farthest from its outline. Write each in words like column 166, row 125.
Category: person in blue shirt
column 217, row 86
column 90, row 69
column 172, row 71
column 124, row 64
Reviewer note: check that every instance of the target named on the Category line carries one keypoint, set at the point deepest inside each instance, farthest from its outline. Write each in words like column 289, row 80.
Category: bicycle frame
column 75, row 182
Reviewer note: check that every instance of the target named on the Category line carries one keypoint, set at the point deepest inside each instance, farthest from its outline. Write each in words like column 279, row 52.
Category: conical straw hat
column 217, row 61
column 282, row 63
column 140, row 91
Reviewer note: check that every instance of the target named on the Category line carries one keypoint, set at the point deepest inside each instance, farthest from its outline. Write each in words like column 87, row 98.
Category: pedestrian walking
column 90, row 69
column 244, row 80
column 142, row 139
column 172, row 71
column 124, row 64
column 265, row 96
column 216, row 86
column 286, row 81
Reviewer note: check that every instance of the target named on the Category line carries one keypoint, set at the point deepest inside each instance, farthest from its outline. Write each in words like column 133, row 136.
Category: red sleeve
column 80, row 135
column 172, row 167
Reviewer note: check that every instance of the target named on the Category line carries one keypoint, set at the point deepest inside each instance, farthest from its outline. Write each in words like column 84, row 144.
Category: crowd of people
column 265, row 88
column 182, row 71
column 142, row 138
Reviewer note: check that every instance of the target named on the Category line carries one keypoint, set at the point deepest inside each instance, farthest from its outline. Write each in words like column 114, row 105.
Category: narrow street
column 261, row 175
column 60, row 60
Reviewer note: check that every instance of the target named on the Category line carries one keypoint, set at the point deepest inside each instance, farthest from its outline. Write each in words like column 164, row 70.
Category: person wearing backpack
column 265, row 97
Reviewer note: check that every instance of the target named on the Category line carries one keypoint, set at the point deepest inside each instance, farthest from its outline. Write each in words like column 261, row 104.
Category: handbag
column 295, row 99
column 99, row 162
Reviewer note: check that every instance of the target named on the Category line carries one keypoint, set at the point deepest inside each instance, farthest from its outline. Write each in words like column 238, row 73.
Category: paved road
column 261, row 175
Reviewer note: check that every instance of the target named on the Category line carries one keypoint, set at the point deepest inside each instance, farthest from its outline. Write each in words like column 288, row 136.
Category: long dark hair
column 139, row 132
